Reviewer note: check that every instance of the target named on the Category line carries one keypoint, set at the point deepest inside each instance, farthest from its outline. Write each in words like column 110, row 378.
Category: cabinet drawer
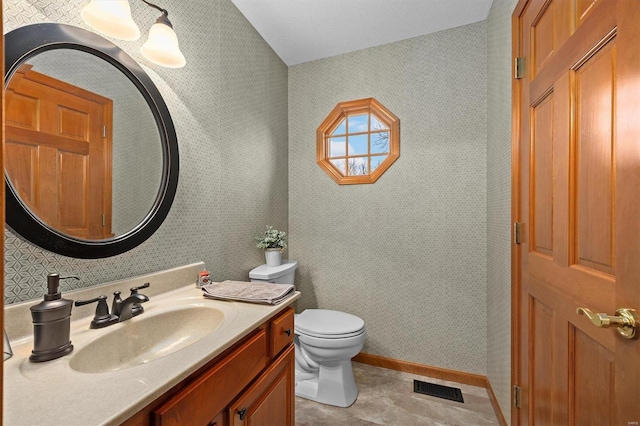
column 281, row 331
column 209, row 394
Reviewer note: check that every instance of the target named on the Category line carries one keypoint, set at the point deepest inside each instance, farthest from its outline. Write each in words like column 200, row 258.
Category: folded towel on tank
column 254, row 292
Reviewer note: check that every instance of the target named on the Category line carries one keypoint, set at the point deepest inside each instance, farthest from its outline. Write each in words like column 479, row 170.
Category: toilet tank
column 282, row 274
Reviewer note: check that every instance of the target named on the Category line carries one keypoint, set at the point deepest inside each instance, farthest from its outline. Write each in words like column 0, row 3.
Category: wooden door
column 58, row 150
column 577, row 194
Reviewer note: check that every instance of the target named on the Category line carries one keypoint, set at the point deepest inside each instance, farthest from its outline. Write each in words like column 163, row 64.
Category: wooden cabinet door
column 577, row 192
column 270, row 399
column 58, row 153
column 200, row 401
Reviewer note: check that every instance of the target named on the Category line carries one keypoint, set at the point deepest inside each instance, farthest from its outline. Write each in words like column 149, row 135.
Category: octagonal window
column 358, row 141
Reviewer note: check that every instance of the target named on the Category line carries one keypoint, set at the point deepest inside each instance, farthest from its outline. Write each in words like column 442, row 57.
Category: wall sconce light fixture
column 113, row 18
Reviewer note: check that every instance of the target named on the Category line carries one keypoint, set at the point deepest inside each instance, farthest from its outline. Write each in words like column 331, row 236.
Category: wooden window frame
column 333, row 120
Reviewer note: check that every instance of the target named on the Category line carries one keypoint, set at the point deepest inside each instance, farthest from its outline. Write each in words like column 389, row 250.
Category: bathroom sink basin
column 146, row 337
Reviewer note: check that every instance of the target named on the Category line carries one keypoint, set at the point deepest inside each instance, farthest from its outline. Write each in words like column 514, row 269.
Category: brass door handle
column 626, row 320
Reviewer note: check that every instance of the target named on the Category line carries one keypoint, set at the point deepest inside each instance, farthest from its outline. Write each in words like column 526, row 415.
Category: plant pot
column 273, row 256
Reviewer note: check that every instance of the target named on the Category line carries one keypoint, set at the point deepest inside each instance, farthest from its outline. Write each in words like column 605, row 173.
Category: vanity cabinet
column 250, row 383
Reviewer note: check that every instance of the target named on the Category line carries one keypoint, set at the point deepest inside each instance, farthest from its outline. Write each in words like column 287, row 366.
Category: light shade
column 162, row 47
column 111, row 17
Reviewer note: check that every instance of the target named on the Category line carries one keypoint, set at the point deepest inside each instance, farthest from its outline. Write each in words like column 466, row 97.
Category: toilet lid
column 328, row 324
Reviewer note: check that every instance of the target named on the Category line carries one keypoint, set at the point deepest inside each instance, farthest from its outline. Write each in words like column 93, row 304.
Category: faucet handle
column 101, row 317
column 134, row 290
column 115, row 305
column 137, row 308
column 86, row 302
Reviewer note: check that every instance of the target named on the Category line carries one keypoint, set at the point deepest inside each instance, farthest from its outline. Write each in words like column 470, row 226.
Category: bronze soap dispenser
column 52, row 323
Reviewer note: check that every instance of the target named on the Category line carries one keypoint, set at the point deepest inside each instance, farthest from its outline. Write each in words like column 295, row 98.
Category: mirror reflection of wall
column 137, row 153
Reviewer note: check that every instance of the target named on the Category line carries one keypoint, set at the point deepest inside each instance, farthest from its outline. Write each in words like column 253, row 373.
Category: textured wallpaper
column 425, row 244
column 408, row 253
column 499, row 201
column 229, row 106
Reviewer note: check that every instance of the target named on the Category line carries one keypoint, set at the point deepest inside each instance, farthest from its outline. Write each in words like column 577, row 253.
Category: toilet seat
column 328, row 336
column 328, row 324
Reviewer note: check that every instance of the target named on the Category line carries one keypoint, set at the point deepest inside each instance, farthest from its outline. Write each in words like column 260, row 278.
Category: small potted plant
column 273, row 242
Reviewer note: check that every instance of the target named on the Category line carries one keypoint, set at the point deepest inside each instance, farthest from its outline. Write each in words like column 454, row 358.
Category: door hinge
column 516, row 396
column 518, row 67
column 104, row 131
column 104, row 220
column 517, row 232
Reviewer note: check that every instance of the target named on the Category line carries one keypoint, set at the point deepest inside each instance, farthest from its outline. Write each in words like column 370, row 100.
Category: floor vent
column 439, row 391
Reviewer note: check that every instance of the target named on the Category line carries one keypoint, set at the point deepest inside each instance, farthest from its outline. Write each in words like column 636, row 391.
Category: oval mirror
column 91, row 154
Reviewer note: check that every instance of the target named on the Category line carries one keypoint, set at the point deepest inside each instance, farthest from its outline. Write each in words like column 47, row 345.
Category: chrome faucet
column 121, row 310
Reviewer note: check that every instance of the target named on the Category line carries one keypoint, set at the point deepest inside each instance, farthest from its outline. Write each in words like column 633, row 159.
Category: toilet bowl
column 325, row 341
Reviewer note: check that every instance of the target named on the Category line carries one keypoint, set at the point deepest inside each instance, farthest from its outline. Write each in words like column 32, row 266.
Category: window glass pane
column 341, row 129
column 340, row 165
column 358, row 166
column 337, row 147
column 377, row 124
column 358, row 145
column 375, row 161
column 379, row 142
column 358, row 123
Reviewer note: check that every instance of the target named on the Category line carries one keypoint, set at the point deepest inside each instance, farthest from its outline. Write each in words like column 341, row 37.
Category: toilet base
column 333, row 384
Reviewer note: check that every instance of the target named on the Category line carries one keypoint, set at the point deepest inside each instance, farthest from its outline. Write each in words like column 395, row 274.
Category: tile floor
column 386, row 398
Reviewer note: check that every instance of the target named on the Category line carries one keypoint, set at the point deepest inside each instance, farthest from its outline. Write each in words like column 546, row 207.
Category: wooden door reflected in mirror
column 58, row 140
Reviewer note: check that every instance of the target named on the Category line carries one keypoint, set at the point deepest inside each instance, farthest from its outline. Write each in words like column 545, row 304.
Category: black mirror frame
column 27, row 41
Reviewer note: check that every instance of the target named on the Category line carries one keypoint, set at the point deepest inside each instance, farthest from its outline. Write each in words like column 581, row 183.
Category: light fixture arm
column 155, row 6
column 162, row 19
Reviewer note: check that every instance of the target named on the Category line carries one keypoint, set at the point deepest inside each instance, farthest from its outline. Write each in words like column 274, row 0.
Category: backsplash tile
column 213, row 217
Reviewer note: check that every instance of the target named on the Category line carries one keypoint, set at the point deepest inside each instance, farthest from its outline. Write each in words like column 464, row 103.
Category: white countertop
column 52, row 393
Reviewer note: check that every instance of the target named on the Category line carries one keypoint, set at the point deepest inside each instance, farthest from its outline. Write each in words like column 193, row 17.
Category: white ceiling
column 305, row 30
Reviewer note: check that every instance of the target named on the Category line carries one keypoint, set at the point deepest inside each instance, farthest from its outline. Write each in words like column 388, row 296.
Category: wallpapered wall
column 428, row 241
column 408, row 253
column 229, row 106
column 499, row 201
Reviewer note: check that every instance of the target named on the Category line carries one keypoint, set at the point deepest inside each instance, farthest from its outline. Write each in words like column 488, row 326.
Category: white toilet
column 325, row 341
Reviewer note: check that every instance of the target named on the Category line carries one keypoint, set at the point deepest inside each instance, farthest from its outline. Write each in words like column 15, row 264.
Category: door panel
column 594, row 236
column 550, row 30
column 24, row 112
column 542, row 319
column 577, row 192
column 592, row 376
column 73, row 197
column 542, row 176
column 73, row 124
column 23, row 177
column 543, row 43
